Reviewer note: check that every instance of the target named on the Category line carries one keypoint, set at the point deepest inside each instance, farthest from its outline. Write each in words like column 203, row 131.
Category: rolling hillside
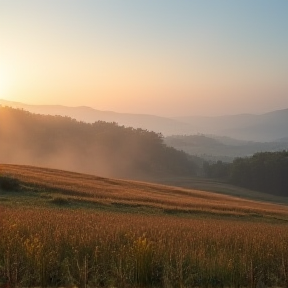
column 74, row 230
column 43, row 185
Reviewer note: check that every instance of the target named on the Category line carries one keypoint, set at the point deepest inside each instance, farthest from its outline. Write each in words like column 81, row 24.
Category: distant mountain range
column 272, row 126
column 163, row 125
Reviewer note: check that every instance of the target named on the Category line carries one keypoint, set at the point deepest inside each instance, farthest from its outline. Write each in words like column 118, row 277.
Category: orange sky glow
column 141, row 58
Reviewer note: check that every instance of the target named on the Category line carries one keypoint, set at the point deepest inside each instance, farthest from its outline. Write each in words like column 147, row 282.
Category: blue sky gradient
column 159, row 57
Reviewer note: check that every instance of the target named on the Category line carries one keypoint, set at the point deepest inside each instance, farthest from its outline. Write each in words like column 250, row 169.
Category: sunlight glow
column 7, row 81
column 3, row 84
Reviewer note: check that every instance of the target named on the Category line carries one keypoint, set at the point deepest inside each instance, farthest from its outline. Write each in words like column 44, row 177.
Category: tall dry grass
column 62, row 247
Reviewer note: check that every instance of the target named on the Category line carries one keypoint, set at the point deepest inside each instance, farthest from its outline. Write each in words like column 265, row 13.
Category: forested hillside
column 100, row 148
column 266, row 172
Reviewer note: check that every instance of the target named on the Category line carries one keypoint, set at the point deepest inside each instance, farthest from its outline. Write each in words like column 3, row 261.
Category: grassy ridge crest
column 96, row 190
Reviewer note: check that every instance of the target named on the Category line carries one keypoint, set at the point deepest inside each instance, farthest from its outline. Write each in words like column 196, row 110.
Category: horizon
column 167, row 59
column 147, row 114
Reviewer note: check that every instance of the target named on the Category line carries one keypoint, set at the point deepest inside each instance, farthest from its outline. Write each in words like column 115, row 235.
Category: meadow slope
column 113, row 193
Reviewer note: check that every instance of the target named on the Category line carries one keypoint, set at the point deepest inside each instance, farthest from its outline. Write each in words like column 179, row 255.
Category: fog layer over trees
column 101, row 148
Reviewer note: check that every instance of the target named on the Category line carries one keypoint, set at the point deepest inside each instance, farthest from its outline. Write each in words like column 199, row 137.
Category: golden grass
column 45, row 246
column 104, row 190
column 50, row 247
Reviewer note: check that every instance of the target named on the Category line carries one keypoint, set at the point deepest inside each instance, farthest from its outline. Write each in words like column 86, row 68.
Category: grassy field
column 66, row 229
column 108, row 193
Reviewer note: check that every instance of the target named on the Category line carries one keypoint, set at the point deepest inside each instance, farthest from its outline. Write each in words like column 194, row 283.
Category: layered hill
column 265, row 127
column 214, row 148
column 270, row 126
column 163, row 125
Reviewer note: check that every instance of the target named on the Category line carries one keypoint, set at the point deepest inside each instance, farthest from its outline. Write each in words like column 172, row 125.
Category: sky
column 161, row 57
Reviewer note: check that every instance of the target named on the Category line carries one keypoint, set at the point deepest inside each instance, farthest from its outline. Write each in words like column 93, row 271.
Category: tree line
column 264, row 171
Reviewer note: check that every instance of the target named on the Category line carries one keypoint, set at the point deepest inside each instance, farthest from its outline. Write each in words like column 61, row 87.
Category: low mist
column 101, row 148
